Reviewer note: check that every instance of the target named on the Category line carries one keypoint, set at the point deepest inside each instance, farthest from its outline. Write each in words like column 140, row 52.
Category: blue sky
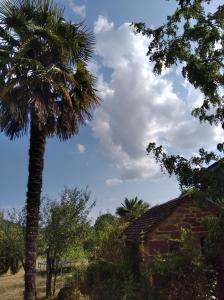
column 109, row 153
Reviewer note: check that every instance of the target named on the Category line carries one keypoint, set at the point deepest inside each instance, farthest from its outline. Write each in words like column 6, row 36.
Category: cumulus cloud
column 139, row 107
column 80, row 10
column 113, row 181
column 102, row 25
column 81, row 148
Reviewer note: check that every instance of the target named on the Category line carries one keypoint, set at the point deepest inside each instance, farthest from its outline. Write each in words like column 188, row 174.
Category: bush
column 183, row 274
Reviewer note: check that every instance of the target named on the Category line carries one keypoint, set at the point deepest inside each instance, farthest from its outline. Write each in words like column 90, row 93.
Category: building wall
column 187, row 215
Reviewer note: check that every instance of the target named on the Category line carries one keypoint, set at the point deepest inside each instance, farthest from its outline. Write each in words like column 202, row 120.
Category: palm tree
column 132, row 209
column 46, row 88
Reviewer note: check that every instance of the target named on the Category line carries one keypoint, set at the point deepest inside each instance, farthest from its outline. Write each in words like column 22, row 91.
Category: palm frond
column 131, row 209
column 44, row 58
column 7, row 37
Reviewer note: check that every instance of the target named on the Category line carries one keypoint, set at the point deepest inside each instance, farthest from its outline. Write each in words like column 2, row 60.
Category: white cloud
column 102, row 25
column 81, row 148
column 139, row 107
column 113, row 181
column 80, row 10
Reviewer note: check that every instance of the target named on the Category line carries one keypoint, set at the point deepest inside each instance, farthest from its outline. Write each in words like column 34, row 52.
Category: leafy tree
column 4, row 266
column 11, row 242
column 45, row 87
column 112, row 271
column 100, row 242
column 64, row 226
column 109, row 274
column 192, row 173
column 213, row 248
column 105, row 220
column 109, row 241
column 193, row 38
column 132, row 209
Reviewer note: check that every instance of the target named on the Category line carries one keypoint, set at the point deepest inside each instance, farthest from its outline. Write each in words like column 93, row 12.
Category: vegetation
column 132, row 209
column 96, row 256
column 11, row 243
column 110, row 273
column 184, row 273
column 12, row 286
column 113, row 268
column 45, row 86
column 193, row 38
column 101, row 265
column 115, row 271
column 192, row 173
column 63, row 228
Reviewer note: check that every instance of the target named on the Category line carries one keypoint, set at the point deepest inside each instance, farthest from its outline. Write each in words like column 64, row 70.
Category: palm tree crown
column 43, row 69
column 132, row 209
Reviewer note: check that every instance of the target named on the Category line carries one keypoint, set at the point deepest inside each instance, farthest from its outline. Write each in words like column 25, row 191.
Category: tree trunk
column 55, row 279
column 36, row 163
column 220, row 280
column 49, row 276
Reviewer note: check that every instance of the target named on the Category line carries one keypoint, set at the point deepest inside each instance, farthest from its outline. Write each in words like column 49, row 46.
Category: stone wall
column 187, row 215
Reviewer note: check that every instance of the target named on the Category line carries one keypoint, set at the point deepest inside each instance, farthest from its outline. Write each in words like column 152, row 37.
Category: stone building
column 157, row 229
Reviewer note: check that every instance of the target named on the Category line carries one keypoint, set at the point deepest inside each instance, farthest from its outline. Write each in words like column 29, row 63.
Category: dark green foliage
column 105, row 280
column 101, row 238
column 183, row 274
column 108, row 280
column 70, row 291
column 193, row 38
column 104, row 220
column 45, row 86
column 43, row 67
column 63, row 221
column 4, row 263
column 214, row 243
column 192, row 173
column 11, row 243
column 100, row 235
column 113, row 270
column 64, row 226
column 132, row 209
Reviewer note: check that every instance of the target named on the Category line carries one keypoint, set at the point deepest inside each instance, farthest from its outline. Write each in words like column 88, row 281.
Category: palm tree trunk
column 36, row 163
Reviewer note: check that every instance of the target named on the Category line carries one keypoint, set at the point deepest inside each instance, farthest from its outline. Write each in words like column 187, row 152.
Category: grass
column 12, row 286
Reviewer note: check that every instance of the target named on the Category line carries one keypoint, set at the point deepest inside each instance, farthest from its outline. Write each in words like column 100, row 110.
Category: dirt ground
column 11, row 286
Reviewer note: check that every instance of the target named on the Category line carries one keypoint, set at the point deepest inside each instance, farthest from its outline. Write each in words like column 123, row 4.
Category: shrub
column 183, row 274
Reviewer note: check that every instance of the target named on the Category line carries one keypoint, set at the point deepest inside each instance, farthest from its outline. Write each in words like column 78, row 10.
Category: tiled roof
column 155, row 215
column 215, row 165
column 150, row 219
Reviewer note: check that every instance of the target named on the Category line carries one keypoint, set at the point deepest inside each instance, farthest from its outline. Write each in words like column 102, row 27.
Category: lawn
column 11, row 286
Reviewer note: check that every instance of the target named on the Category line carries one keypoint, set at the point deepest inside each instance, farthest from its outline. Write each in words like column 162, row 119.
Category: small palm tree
column 45, row 87
column 132, row 209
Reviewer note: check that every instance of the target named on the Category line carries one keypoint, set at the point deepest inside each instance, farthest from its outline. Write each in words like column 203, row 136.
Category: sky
column 109, row 153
